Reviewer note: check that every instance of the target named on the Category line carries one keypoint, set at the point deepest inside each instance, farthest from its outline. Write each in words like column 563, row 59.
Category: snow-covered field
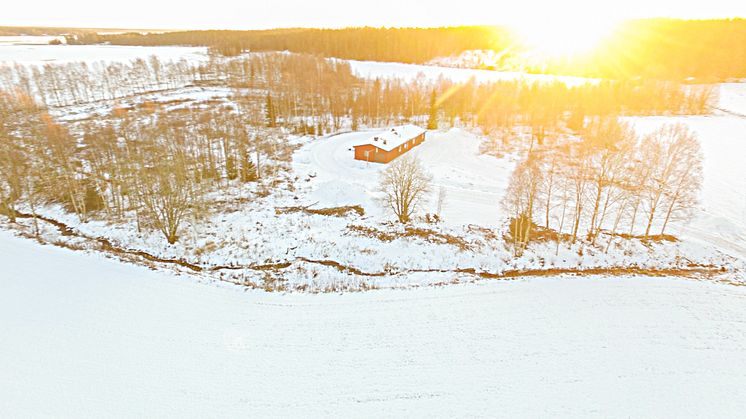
column 234, row 241
column 30, row 50
column 34, row 50
column 87, row 336
column 84, row 336
column 373, row 69
column 29, row 40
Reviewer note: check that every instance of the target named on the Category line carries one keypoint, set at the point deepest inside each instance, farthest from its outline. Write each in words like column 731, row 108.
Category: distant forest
column 406, row 45
column 705, row 50
column 48, row 31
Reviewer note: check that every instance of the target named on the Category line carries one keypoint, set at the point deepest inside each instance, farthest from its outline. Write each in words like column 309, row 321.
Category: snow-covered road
column 83, row 336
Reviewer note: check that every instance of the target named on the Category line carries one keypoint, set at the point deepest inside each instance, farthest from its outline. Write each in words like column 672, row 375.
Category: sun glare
column 563, row 37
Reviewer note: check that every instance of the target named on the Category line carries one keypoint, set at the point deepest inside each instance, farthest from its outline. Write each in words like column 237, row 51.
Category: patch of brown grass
column 428, row 235
column 331, row 212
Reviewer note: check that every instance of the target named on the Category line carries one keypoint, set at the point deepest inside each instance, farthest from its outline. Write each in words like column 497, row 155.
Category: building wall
column 377, row 155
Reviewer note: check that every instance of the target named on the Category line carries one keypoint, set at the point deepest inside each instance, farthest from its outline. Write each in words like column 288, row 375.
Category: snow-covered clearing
column 733, row 98
column 474, row 183
column 84, row 336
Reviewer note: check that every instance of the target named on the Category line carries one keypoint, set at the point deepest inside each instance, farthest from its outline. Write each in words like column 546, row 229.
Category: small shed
column 390, row 144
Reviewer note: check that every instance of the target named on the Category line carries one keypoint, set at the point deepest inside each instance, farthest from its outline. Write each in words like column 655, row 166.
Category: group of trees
column 405, row 184
column 407, row 45
column 668, row 49
column 80, row 82
column 607, row 181
column 673, row 49
column 159, row 164
column 314, row 95
column 156, row 167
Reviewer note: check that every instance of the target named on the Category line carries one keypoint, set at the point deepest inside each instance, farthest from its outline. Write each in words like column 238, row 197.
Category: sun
column 562, row 37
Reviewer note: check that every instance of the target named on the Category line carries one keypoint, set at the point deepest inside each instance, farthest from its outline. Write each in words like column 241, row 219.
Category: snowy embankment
column 252, row 244
column 84, row 336
column 245, row 233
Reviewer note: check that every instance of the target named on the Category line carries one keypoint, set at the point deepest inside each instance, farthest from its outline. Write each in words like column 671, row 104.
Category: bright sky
column 253, row 14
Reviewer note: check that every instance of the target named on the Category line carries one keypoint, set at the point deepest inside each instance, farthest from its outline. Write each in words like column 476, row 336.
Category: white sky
column 252, row 14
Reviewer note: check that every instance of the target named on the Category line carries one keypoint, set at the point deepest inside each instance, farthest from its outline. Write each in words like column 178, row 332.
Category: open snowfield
column 85, row 336
column 374, row 69
column 29, row 40
column 34, row 50
column 30, row 50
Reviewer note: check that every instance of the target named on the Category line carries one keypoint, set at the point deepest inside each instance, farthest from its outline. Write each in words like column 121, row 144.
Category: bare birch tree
column 404, row 185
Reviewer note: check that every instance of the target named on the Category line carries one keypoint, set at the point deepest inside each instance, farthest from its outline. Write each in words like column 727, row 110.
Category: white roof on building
column 393, row 137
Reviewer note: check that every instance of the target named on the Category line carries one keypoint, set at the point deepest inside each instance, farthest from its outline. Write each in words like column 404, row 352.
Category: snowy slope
column 733, row 98
column 88, row 337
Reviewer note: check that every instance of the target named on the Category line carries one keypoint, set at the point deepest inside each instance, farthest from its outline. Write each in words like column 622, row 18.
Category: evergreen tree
column 271, row 117
column 432, row 122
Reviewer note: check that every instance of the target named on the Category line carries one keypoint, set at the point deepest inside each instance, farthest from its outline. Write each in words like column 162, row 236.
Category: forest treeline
column 146, row 161
column 708, row 50
column 704, row 50
column 47, row 31
column 306, row 88
column 406, row 45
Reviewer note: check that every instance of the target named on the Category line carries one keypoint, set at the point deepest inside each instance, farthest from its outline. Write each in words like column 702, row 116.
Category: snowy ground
column 29, row 40
column 474, row 183
column 88, row 337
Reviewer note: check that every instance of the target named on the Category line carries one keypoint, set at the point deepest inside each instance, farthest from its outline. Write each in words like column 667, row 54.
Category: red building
column 390, row 144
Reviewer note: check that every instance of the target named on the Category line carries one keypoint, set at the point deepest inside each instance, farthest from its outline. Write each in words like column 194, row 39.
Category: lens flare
column 563, row 37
